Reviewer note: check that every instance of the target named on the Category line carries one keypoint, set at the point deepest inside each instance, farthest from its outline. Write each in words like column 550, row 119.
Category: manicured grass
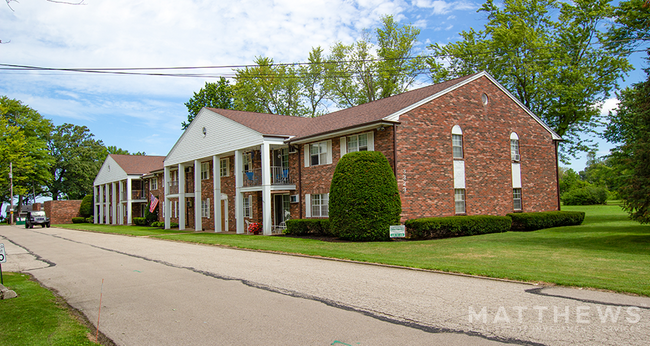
column 37, row 317
column 125, row 230
column 607, row 251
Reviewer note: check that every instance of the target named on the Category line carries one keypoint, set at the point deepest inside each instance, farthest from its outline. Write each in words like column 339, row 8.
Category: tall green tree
column 630, row 129
column 21, row 121
column 269, row 88
column 77, row 159
column 313, row 78
column 215, row 95
column 550, row 54
column 631, row 25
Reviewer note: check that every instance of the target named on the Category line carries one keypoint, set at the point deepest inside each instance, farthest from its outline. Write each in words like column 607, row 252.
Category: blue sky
column 144, row 113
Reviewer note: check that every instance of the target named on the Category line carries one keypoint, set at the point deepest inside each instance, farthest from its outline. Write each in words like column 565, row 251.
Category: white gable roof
column 110, row 172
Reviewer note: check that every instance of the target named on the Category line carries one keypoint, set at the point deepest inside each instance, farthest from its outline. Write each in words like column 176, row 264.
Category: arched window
column 457, row 142
column 514, row 147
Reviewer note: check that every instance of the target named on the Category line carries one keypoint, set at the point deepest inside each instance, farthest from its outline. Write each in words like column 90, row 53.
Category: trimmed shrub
column 173, row 225
column 139, row 221
column 86, row 208
column 157, row 224
column 78, row 220
column 525, row 222
column 364, row 198
column 308, row 226
column 456, row 226
column 587, row 195
column 90, row 220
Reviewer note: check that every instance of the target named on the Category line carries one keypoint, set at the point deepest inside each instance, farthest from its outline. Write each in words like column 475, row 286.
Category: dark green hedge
column 364, row 198
column 534, row 221
column 86, row 208
column 139, row 221
column 455, row 226
column 78, row 220
column 308, row 226
column 588, row 195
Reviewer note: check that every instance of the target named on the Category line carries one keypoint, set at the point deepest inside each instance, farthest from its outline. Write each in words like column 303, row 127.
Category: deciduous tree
column 215, row 95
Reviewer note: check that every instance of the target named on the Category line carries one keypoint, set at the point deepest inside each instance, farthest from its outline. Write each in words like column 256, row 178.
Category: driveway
column 162, row 293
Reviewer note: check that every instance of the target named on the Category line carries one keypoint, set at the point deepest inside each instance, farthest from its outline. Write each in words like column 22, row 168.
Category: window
column 457, row 144
column 224, row 167
column 516, row 196
column 247, row 162
column 320, row 205
column 514, row 147
column 154, row 183
column 358, row 143
column 205, row 208
column 248, row 210
column 318, row 154
column 205, row 170
column 459, row 198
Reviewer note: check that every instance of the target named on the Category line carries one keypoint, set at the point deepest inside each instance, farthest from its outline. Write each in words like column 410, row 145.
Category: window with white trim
column 318, row 154
column 457, row 142
column 516, row 198
column 205, row 170
column 176, row 209
column 205, row 208
column 357, row 143
column 514, row 147
column 153, row 183
column 248, row 209
column 459, row 198
column 224, row 167
column 320, row 205
column 247, row 162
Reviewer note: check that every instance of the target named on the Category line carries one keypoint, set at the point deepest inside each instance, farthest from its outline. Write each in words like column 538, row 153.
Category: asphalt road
column 167, row 293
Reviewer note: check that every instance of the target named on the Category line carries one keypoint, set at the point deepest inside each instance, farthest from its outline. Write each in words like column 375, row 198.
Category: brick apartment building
column 462, row 147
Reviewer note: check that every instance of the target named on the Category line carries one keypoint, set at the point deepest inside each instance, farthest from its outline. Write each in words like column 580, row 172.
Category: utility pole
column 11, row 180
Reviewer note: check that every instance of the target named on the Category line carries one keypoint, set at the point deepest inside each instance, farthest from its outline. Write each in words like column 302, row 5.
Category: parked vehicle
column 37, row 218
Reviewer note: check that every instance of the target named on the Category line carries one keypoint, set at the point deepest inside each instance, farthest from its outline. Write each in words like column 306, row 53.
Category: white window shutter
column 250, row 204
column 329, row 151
column 307, row 156
column 307, row 205
column 371, row 141
column 344, row 142
column 208, row 211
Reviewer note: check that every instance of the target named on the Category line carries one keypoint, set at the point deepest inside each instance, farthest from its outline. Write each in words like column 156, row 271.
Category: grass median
column 608, row 251
column 37, row 317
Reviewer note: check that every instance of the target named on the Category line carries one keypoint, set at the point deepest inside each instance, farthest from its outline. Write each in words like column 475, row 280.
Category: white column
column 239, row 203
column 198, row 221
column 167, row 209
column 181, row 197
column 97, row 199
column 216, row 192
column 114, row 204
column 129, row 201
column 266, row 189
column 120, row 209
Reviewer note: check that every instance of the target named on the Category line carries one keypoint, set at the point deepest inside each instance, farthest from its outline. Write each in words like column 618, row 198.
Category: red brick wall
column 425, row 163
column 62, row 212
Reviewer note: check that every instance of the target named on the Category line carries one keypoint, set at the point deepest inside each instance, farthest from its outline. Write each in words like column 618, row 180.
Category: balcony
column 173, row 187
column 279, row 176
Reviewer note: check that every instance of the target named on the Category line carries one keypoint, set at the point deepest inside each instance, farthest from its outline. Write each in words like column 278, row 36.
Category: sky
column 144, row 113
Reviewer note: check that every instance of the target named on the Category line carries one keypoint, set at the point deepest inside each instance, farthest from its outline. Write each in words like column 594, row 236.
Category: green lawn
column 125, row 230
column 37, row 317
column 608, row 251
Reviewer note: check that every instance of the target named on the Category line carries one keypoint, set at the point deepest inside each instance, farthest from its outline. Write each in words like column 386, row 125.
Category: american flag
column 154, row 203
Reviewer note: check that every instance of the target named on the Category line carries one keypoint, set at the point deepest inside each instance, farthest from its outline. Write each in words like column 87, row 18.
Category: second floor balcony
column 279, row 176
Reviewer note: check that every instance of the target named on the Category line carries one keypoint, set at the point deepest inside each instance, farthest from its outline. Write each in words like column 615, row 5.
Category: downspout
column 557, row 174
column 395, row 150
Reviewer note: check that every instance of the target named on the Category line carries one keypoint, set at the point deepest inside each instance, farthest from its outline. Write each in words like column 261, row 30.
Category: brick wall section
column 62, row 212
column 425, row 163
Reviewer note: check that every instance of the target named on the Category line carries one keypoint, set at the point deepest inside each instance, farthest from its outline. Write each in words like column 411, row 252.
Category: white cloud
column 443, row 7
column 609, row 105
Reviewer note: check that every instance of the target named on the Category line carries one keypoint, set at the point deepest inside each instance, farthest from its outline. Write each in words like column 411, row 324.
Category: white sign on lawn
column 3, row 258
column 398, row 231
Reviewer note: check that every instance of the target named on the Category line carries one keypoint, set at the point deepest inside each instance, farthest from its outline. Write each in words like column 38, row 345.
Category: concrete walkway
column 158, row 292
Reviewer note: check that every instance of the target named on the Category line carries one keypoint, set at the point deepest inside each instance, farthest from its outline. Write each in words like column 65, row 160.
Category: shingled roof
column 139, row 164
column 368, row 113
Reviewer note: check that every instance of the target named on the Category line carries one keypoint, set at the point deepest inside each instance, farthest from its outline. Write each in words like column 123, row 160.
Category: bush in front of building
column 587, row 195
column 456, row 226
column 86, row 207
column 90, row 220
column 364, row 198
column 78, row 220
column 308, row 226
column 139, row 221
column 158, row 224
column 525, row 222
